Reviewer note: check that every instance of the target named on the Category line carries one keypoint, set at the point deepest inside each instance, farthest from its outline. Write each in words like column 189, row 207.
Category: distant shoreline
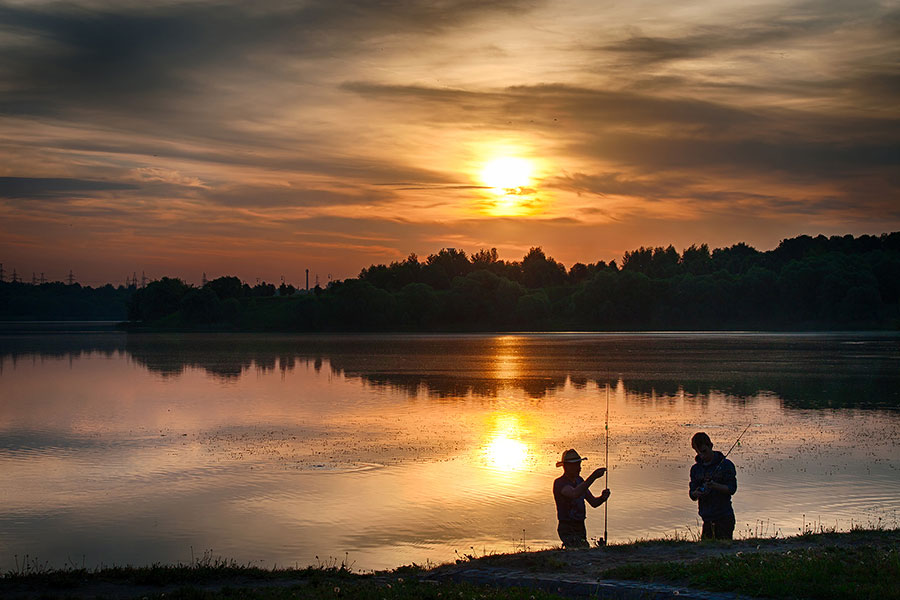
column 85, row 326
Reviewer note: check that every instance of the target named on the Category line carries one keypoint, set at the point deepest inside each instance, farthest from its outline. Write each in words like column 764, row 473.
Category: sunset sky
column 261, row 139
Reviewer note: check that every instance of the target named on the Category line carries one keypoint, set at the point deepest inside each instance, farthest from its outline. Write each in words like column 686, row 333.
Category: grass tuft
column 822, row 573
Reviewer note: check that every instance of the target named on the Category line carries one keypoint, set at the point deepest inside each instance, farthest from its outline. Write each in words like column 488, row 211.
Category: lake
column 384, row 450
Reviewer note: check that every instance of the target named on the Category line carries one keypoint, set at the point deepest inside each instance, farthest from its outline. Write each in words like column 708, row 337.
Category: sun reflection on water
column 506, row 453
column 506, row 359
column 505, row 449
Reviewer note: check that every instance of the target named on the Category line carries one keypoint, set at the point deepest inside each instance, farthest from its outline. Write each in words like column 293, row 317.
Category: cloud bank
column 220, row 137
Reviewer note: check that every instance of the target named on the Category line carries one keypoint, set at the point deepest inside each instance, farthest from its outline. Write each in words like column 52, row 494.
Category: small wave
column 333, row 468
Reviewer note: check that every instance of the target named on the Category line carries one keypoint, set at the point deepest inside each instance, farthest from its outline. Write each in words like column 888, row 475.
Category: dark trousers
column 573, row 534
column 718, row 529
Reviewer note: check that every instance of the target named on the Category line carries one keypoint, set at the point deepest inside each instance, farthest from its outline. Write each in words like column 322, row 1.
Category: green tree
column 696, row 259
column 418, row 305
column 735, row 259
column 540, row 271
column 358, row 305
column 441, row 268
column 533, row 309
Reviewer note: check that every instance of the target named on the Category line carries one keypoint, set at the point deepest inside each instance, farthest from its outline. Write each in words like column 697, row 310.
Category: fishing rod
column 606, row 482
column 737, row 440
column 702, row 488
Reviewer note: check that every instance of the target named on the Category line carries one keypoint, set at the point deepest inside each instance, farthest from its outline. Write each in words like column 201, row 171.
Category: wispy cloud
column 55, row 187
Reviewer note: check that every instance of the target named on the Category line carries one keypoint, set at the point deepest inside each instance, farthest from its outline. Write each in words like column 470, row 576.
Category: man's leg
column 724, row 528
column 708, row 532
column 572, row 534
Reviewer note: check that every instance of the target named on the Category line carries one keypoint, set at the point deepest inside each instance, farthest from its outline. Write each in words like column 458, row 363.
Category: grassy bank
column 224, row 580
column 837, row 571
column 857, row 564
column 863, row 563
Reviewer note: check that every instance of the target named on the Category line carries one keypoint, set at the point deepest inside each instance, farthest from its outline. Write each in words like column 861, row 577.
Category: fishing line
column 736, row 442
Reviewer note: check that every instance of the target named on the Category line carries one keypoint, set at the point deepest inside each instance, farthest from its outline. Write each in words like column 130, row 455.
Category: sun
column 507, row 175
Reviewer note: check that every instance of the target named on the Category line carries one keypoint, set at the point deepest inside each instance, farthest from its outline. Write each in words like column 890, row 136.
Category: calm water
column 387, row 450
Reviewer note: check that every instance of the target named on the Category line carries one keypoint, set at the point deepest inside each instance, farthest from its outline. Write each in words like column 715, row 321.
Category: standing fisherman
column 570, row 491
column 713, row 483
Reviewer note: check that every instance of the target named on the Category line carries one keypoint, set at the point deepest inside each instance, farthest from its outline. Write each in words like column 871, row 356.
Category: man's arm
column 729, row 480
column 595, row 501
column 696, row 482
column 575, row 491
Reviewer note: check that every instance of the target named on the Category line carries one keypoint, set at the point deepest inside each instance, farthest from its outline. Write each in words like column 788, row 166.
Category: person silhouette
column 570, row 491
column 713, row 483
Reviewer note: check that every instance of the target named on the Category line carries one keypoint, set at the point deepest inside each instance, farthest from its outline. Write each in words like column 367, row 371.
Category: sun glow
column 510, row 181
column 507, row 175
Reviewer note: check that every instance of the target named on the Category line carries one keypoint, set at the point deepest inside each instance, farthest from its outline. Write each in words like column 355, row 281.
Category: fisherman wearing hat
column 570, row 491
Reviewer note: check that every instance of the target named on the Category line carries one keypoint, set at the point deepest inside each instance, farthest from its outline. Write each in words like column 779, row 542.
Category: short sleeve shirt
column 568, row 509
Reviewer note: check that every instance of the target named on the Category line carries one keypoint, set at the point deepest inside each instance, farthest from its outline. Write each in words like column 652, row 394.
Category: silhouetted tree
column 201, row 306
column 157, row 300
column 696, row 259
column 226, row 287
column 418, row 305
column 736, row 259
column 484, row 259
column 578, row 273
column 441, row 268
column 533, row 309
column 539, row 271
column 638, row 260
column 814, row 282
column 263, row 290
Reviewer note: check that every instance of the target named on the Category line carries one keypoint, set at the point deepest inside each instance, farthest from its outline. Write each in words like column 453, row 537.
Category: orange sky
column 227, row 138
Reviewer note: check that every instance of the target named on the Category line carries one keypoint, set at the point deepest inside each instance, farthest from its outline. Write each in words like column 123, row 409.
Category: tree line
column 805, row 283
column 57, row 301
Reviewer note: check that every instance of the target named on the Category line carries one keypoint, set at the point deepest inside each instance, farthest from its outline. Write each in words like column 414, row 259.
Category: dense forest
column 805, row 283
column 841, row 282
column 58, row 301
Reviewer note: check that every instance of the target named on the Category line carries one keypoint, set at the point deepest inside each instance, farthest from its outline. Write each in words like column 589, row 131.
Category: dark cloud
column 800, row 161
column 153, row 55
column 266, row 153
column 544, row 106
column 618, row 183
column 411, row 186
column 294, row 196
column 55, row 187
column 773, row 30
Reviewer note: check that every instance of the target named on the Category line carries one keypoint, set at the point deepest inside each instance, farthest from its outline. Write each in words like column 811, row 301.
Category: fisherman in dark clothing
column 570, row 491
column 713, row 482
